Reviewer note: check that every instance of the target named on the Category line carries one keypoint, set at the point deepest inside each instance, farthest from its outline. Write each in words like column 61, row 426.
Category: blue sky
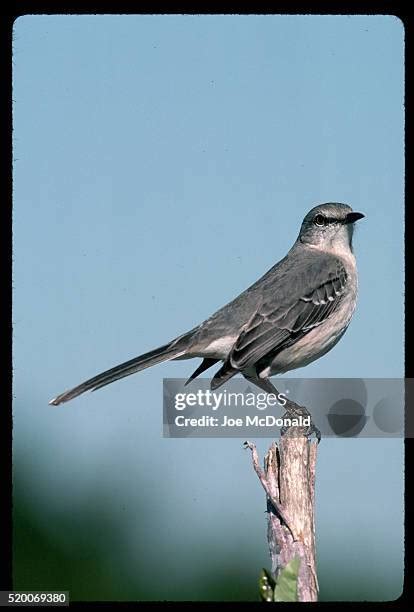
column 162, row 164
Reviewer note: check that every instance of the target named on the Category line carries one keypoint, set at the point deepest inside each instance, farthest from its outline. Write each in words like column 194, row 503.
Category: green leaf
column 266, row 585
column 287, row 582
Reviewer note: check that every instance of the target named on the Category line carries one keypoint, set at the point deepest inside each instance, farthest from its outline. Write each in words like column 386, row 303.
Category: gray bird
column 292, row 315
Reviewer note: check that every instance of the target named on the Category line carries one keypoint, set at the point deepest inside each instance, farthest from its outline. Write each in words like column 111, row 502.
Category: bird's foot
column 295, row 413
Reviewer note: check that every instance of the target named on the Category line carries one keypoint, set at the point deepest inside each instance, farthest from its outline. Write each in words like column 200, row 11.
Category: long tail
column 176, row 348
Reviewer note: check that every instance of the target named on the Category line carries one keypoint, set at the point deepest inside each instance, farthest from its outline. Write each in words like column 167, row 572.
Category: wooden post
column 289, row 481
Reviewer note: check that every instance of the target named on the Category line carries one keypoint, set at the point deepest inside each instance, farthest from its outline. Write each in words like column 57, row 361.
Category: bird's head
column 329, row 226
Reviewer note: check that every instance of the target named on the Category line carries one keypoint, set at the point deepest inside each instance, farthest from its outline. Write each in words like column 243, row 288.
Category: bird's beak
column 353, row 216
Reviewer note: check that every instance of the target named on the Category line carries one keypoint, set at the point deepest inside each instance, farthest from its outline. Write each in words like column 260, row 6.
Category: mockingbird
column 292, row 315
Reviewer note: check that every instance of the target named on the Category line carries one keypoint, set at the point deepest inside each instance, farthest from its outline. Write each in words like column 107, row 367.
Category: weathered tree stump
column 289, row 481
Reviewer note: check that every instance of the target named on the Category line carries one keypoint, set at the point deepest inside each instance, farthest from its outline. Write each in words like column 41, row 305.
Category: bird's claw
column 314, row 430
column 296, row 411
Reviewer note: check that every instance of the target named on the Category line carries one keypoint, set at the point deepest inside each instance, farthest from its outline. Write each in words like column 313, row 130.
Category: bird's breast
column 318, row 340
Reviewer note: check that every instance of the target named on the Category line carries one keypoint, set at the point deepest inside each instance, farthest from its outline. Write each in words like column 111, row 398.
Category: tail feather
column 223, row 375
column 205, row 365
column 172, row 350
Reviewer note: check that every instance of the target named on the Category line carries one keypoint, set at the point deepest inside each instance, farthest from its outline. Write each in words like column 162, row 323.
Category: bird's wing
column 292, row 305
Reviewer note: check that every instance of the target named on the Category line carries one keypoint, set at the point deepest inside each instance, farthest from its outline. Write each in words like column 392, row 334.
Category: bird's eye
column 319, row 220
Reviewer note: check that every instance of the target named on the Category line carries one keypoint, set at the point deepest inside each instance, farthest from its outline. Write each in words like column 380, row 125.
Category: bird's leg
column 293, row 410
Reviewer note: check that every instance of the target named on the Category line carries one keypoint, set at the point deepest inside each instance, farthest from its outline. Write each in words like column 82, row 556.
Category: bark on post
column 289, row 481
